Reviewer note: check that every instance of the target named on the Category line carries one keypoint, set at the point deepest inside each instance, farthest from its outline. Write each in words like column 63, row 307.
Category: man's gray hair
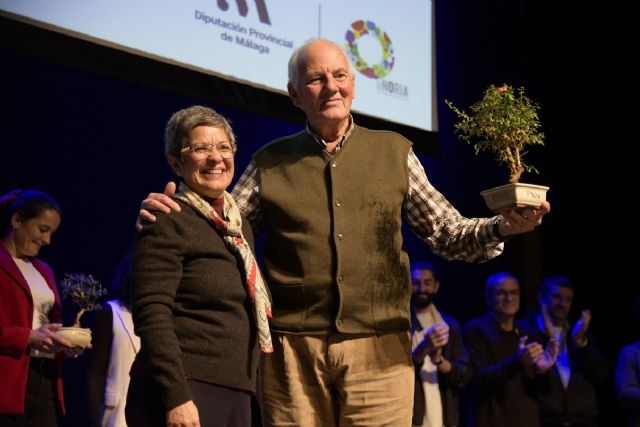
column 496, row 279
column 298, row 55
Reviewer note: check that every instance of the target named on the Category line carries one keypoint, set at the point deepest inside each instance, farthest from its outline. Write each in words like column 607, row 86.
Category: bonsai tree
column 504, row 121
column 84, row 291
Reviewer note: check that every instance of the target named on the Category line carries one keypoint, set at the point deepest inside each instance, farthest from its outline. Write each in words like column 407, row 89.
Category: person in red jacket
column 30, row 313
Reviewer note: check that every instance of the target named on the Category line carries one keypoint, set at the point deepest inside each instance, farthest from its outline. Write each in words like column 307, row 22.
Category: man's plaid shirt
column 429, row 215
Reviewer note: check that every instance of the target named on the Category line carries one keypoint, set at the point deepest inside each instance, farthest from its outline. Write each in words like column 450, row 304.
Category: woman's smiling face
column 207, row 174
column 31, row 235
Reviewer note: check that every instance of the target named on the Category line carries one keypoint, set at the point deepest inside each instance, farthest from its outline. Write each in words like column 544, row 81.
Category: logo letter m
column 263, row 14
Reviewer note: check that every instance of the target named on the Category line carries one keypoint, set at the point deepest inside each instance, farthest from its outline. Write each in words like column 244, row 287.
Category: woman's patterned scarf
column 235, row 241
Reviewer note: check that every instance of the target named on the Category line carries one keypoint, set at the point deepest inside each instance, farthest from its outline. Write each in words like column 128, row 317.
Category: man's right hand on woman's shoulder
column 157, row 202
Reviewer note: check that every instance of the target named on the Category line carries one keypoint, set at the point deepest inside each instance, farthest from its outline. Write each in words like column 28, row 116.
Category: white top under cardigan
column 43, row 298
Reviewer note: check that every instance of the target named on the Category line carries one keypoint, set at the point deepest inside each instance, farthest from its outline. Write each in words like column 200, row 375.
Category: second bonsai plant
column 504, row 122
column 84, row 291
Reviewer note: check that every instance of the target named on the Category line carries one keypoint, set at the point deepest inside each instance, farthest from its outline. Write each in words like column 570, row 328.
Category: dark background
column 85, row 123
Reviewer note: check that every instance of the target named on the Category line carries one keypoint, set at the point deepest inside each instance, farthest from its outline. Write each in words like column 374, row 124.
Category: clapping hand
column 579, row 331
column 528, row 352
column 533, row 354
column 436, row 337
column 548, row 357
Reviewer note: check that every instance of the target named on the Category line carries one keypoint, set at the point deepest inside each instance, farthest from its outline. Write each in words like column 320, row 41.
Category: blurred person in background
column 508, row 359
column 115, row 346
column 440, row 359
column 627, row 379
column 30, row 313
column 567, row 393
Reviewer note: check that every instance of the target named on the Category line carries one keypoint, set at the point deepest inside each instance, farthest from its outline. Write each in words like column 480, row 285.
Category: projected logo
column 385, row 65
column 243, row 9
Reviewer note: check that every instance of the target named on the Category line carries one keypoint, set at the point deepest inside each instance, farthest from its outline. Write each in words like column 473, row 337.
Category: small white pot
column 80, row 337
column 513, row 196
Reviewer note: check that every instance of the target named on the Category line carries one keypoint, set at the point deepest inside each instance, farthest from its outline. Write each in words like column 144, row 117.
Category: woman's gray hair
column 298, row 55
column 179, row 127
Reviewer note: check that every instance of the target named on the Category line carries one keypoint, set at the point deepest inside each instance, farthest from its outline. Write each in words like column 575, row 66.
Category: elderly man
column 334, row 196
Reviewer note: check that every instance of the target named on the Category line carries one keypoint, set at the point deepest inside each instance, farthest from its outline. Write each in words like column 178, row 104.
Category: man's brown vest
column 333, row 255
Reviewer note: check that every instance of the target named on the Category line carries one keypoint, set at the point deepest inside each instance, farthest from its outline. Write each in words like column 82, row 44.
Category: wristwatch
column 496, row 228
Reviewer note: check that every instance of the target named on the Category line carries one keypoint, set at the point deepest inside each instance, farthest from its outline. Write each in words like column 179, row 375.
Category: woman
column 30, row 313
column 199, row 304
column 115, row 346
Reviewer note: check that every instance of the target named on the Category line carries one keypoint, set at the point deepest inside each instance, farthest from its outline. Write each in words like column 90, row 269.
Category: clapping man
column 507, row 358
column 567, row 395
column 441, row 362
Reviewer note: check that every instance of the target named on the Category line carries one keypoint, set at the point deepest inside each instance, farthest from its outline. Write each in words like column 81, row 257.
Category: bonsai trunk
column 76, row 324
column 515, row 165
column 514, row 175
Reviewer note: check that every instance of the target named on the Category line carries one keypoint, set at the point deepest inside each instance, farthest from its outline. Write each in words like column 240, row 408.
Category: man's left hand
column 518, row 221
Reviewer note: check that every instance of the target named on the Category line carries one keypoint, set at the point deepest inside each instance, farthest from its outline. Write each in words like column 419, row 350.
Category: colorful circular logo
column 382, row 68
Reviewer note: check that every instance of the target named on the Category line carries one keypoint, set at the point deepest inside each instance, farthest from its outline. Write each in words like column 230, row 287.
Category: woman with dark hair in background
column 115, row 346
column 30, row 313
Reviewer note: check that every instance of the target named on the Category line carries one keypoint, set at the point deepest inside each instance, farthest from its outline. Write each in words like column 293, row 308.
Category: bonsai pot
column 80, row 337
column 513, row 196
